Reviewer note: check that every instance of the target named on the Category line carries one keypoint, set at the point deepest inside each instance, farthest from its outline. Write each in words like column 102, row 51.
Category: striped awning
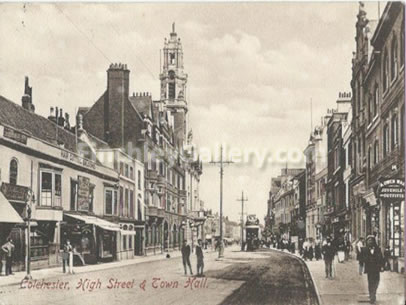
column 7, row 213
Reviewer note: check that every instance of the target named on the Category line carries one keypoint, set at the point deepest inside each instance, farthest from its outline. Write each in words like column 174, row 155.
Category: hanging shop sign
column 391, row 189
column 83, row 193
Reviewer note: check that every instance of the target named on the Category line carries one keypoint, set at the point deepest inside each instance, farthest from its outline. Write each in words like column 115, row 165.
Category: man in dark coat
column 199, row 256
column 186, row 257
column 328, row 251
column 371, row 255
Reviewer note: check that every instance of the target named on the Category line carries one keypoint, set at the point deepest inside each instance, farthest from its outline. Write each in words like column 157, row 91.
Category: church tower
column 173, row 85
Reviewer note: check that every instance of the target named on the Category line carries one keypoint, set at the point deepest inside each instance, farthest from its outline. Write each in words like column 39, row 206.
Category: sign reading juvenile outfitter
column 392, row 189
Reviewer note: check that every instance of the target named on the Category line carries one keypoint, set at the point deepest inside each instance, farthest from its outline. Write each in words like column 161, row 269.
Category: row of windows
column 391, row 65
column 390, row 140
column 51, row 194
column 128, row 171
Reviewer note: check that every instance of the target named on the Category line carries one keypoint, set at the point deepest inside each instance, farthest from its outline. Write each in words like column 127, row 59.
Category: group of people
column 7, row 253
column 310, row 249
column 369, row 256
column 186, row 250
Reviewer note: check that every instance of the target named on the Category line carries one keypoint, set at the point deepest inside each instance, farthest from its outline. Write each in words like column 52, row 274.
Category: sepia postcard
column 217, row 153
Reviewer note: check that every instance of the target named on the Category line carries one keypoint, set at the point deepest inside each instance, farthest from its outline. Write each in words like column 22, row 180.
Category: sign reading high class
column 83, row 193
column 392, row 189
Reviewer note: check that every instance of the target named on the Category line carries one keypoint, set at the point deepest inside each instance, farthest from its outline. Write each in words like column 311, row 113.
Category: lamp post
column 29, row 200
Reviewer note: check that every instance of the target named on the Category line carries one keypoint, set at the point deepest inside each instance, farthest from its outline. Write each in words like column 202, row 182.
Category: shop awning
column 127, row 232
column 101, row 223
column 7, row 212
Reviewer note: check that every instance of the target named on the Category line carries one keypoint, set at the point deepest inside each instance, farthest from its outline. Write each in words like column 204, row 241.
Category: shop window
column 394, row 59
column 13, row 171
column 124, row 242
column 147, row 239
column 394, row 128
column 39, row 245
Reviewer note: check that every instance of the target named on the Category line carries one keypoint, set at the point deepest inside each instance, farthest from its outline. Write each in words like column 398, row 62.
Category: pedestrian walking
column 386, row 256
column 71, row 251
column 8, row 248
column 358, row 250
column 328, row 251
column 186, row 257
column 317, row 249
column 341, row 250
column 67, row 247
column 200, row 258
column 374, row 264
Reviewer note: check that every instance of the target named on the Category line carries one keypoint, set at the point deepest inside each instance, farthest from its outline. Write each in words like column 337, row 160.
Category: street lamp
column 30, row 198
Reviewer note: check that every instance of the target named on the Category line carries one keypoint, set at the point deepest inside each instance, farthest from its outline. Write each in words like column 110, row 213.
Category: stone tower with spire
column 173, row 85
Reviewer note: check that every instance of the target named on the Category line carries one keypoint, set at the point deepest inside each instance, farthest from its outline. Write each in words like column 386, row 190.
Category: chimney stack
column 118, row 79
column 67, row 124
column 61, row 119
column 27, row 97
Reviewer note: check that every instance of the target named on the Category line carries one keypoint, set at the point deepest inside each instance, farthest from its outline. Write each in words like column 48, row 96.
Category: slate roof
column 31, row 123
column 15, row 116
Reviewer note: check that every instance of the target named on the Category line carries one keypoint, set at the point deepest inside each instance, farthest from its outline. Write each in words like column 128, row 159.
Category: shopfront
column 391, row 192
column 95, row 239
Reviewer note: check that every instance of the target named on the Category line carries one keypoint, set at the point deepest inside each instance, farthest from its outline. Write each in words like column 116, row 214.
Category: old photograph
column 217, row 153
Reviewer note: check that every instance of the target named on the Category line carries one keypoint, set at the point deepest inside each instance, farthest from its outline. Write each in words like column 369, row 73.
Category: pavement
column 40, row 274
column 348, row 287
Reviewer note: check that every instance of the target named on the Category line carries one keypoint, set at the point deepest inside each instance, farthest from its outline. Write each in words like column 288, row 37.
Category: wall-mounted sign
column 14, row 192
column 15, row 135
column 392, row 189
column 83, row 193
column 77, row 159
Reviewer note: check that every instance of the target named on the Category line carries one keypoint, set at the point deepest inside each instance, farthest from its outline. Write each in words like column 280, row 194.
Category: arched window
column 385, row 72
column 385, row 140
column 376, row 152
column 394, row 127
column 13, row 171
column 394, row 58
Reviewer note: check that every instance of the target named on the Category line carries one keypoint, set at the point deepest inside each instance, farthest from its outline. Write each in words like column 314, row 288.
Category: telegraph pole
column 242, row 218
column 221, row 163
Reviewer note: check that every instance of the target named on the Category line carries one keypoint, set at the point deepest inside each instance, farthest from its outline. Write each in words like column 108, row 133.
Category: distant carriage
column 253, row 232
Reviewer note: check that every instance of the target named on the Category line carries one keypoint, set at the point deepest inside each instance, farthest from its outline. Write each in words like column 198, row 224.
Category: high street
column 264, row 277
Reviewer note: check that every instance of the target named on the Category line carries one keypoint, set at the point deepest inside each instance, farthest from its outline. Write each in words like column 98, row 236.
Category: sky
column 259, row 74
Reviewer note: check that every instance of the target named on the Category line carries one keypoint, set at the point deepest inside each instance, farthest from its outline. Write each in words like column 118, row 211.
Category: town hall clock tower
column 173, row 85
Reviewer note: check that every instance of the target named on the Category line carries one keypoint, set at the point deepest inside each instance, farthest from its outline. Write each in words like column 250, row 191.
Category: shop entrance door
column 138, row 242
